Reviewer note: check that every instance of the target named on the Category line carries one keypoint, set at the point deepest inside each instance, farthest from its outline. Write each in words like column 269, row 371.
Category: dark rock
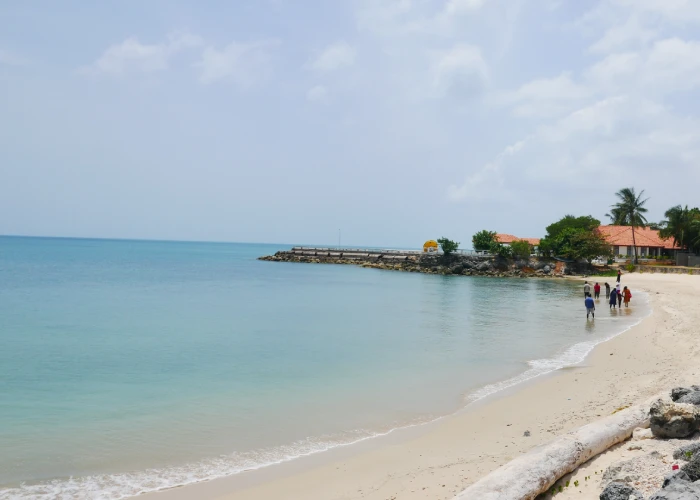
column 678, row 392
column 692, row 468
column 547, row 269
column 484, row 266
column 682, row 452
column 676, row 476
column 678, row 490
column 673, row 420
column 692, row 398
column 620, row 491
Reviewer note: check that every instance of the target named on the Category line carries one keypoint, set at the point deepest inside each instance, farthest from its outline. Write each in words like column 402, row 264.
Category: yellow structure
column 430, row 246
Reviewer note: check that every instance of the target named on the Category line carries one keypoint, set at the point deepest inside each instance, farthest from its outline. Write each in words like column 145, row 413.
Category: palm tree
column 614, row 216
column 694, row 230
column 694, row 243
column 629, row 211
column 678, row 226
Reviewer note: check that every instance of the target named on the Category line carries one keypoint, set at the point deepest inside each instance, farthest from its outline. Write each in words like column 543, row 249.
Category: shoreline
column 189, row 474
column 457, row 458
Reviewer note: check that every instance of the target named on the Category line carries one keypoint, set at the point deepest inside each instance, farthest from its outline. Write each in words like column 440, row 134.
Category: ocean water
column 131, row 366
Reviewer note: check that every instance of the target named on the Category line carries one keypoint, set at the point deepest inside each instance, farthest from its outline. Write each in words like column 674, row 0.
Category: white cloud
column 667, row 66
column 487, row 182
column 547, row 96
column 608, row 139
column 388, row 17
column 607, row 72
column 243, row 64
column 460, row 71
column 606, row 120
column 674, row 63
column 336, row 56
column 319, row 93
column 631, row 34
column 670, row 65
column 631, row 24
column 133, row 56
column 410, row 17
column 680, row 11
column 455, row 7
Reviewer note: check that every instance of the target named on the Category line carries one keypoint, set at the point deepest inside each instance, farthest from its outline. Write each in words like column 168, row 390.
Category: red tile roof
column 509, row 238
column 645, row 237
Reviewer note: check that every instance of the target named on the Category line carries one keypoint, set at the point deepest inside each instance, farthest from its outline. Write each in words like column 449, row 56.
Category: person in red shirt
column 596, row 290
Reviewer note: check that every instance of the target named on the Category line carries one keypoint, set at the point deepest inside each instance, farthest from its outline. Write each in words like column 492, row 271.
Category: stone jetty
column 460, row 263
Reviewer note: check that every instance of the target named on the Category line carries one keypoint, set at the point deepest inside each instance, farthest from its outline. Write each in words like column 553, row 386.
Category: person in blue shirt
column 590, row 307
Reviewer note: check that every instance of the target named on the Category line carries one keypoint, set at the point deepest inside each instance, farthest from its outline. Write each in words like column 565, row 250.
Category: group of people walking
column 615, row 296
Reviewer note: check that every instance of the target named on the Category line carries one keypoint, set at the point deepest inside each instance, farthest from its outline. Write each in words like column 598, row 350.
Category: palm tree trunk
column 634, row 246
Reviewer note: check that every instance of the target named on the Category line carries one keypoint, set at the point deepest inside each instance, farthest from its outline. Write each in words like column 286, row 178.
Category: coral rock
column 620, row 491
column 674, row 420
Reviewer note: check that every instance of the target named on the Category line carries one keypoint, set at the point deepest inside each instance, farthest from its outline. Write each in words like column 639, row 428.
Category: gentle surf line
column 129, row 484
column 572, row 356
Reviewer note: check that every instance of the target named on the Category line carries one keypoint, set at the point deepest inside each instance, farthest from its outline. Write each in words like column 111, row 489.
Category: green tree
column 590, row 245
column 586, row 222
column 629, row 211
column 681, row 224
column 545, row 248
column 615, row 217
column 501, row 250
column 483, row 239
column 695, row 238
column 575, row 238
column 448, row 246
column 558, row 240
column 521, row 249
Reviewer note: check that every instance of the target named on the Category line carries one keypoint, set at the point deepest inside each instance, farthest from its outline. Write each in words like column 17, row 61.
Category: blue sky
column 393, row 120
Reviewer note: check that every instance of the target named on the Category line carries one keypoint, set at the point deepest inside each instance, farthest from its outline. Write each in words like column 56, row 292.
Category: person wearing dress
column 613, row 298
column 627, row 296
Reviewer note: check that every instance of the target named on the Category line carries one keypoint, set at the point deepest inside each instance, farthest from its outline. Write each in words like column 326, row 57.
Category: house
column 507, row 239
column 648, row 241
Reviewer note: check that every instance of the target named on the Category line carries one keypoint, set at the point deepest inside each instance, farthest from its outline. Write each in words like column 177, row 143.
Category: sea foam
column 537, row 367
column 130, row 484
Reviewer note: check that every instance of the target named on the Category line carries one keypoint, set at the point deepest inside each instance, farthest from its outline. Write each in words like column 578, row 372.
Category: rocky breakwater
column 455, row 264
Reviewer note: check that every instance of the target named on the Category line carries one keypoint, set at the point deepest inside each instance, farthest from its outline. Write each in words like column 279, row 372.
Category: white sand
column 439, row 460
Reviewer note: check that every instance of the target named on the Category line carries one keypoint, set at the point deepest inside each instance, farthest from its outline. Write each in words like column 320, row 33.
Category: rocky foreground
column 668, row 467
column 456, row 264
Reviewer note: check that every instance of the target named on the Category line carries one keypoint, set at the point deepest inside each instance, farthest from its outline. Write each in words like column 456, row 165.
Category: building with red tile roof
column 648, row 241
column 507, row 239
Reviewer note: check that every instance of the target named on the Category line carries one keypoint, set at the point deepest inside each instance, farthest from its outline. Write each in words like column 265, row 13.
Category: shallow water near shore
column 134, row 366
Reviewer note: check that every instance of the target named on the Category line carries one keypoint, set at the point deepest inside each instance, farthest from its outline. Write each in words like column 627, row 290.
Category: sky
column 393, row 121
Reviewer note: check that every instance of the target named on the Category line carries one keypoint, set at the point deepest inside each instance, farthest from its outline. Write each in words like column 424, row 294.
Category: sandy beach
column 438, row 460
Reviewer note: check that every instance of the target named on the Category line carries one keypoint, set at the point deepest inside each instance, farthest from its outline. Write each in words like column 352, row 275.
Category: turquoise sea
column 131, row 366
